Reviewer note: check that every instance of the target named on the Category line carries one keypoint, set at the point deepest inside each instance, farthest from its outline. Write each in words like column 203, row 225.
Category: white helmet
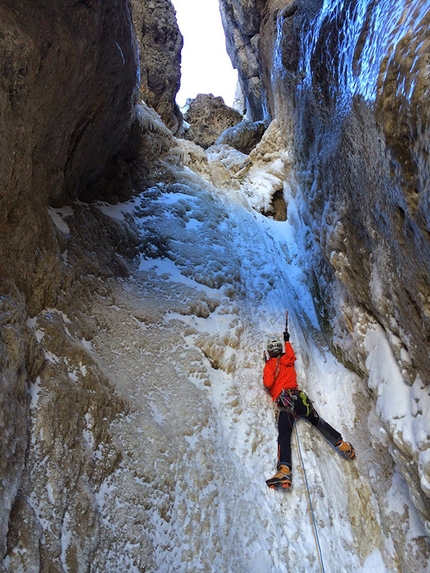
column 274, row 346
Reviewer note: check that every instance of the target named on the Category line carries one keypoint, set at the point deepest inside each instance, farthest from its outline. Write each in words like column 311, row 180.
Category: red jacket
column 279, row 373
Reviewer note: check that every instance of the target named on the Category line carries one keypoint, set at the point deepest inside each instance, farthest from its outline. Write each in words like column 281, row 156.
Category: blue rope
column 310, row 503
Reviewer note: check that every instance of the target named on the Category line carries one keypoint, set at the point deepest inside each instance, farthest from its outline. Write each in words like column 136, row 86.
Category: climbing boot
column 346, row 449
column 283, row 478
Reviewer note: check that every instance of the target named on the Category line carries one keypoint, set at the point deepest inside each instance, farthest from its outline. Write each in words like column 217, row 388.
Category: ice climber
column 280, row 379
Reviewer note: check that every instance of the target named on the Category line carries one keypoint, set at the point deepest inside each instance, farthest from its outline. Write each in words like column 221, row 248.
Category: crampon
column 346, row 449
column 282, row 479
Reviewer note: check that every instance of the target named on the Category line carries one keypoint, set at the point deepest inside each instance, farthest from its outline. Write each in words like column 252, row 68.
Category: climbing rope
column 311, row 511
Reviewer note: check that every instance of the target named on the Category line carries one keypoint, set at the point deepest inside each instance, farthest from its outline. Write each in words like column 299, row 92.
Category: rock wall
column 67, row 86
column 67, row 90
column 207, row 117
column 160, row 45
column 241, row 21
column 362, row 163
column 57, row 404
column 69, row 130
column 57, row 409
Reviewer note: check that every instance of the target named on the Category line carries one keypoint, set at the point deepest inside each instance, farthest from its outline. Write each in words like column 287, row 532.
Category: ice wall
column 348, row 83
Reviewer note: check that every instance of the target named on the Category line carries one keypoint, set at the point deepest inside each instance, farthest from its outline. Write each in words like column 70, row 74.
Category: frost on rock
column 405, row 412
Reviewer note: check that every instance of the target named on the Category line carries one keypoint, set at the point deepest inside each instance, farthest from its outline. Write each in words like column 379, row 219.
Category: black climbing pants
column 302, row 408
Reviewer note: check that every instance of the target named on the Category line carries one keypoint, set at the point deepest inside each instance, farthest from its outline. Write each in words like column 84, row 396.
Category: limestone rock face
column 58, row 405
column 208, row 117
column 72, row 407
column 241, row 22
column 370, row 210
column 67, row 90
column 160, row 45
column 244, row 136
column 67, row 95
column 20, row 358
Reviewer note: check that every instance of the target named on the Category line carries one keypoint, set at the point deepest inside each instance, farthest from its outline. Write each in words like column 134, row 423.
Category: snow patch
column 58, row 216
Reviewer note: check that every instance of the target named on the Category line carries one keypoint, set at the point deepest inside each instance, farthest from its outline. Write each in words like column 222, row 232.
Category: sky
column 206, row 67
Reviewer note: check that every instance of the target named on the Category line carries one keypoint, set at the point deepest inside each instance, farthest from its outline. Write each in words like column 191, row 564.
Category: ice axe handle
column 286, row 333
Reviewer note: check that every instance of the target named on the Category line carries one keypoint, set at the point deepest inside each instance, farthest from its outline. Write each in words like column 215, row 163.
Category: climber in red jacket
column 280, row 379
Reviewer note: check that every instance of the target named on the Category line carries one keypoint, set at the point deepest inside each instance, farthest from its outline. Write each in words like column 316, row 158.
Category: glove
column 286, row 336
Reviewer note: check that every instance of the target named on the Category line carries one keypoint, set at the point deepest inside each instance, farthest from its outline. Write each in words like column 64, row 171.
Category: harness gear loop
column 285, row 400
column 307, row 402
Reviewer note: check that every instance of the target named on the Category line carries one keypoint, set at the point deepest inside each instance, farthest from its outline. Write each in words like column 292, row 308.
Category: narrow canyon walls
column 347, row 85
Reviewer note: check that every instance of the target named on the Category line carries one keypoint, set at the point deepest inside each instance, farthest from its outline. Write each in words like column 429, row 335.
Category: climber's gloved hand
column 286, row 336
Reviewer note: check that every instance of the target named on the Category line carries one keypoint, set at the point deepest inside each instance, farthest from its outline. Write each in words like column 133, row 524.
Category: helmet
column 274, row 346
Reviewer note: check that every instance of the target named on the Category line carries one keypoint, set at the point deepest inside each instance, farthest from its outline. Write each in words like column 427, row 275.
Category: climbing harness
column 286, row 399
column 311, row 511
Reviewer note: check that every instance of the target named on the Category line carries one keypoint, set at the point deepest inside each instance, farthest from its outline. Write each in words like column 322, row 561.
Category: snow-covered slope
column 170, row 468
column 183, row 341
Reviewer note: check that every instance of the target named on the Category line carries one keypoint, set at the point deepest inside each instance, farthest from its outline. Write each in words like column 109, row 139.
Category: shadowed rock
column 208, row 117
